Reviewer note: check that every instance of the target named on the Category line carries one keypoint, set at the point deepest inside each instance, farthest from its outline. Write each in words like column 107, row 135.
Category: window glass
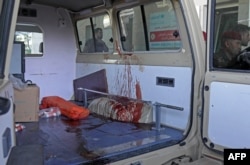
column 151, row 27
column 95, row 34
column 32, row 37
column 231, row 35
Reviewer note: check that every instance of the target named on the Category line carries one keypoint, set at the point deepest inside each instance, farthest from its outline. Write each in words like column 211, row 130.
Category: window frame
column 41, row 44
column 142, row 9
column 90, row 18
column 213, row 42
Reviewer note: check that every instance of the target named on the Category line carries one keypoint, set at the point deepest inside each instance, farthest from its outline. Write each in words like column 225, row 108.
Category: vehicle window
column 32, row 37
column 95, row 34
column 231, row 36
column 151, row 27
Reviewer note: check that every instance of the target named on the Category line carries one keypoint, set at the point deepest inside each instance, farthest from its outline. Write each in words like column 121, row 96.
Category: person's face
column 245, row 37
column 233, row 47
column 99, row 34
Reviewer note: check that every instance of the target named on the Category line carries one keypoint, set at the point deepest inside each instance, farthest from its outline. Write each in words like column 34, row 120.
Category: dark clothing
column 221, row 60
column 96, row 45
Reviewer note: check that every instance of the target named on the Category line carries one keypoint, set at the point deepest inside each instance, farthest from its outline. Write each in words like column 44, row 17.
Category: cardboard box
column 27, row 104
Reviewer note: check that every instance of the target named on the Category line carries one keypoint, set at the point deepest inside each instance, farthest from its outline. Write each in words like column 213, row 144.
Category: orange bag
column 67, row 108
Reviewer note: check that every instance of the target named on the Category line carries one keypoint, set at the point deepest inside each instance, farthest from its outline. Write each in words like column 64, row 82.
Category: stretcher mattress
column 122, row 109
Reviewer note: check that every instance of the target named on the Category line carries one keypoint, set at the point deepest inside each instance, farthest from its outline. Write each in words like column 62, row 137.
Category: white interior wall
column 145, row 76
column 55, row 70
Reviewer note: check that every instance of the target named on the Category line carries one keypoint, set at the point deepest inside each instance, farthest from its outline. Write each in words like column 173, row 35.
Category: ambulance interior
column 125, row 120
column 144, row 95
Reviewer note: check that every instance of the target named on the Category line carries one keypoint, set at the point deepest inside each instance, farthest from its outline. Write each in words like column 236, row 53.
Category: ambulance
column 144, row 72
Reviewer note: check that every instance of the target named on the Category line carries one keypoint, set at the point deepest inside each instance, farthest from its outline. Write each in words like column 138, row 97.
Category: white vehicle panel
column 229, row 115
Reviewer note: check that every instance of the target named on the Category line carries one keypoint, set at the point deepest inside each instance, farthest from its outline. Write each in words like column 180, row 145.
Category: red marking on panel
column 166, row 35
column 138, row 90
column 124, row 81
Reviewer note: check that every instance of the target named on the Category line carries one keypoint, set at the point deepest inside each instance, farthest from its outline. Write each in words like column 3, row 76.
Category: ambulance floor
column 94, row 140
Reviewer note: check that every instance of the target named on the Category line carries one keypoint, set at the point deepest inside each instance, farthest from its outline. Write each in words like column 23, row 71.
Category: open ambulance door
column 226, row 91
column 8, row 16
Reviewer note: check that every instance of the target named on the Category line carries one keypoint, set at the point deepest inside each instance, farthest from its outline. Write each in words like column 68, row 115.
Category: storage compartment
column 27, row 104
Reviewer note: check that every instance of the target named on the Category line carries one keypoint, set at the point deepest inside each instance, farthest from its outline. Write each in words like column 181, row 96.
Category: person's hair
column 240, row 28
column 98, row 29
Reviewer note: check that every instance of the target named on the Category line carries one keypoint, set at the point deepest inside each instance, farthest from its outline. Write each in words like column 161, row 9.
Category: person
column 244, row 32
column 96, row 44
column 230, row 49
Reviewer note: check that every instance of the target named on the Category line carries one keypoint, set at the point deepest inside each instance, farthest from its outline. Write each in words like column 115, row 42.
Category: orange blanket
column 67, row 108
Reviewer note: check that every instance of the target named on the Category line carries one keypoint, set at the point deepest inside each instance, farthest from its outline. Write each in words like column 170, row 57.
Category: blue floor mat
column 94, row 140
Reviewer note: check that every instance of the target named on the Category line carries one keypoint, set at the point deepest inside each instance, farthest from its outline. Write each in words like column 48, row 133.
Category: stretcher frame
column 157, row 107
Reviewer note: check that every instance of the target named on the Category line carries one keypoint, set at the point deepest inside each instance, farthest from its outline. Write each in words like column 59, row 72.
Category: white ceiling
column 73, row 5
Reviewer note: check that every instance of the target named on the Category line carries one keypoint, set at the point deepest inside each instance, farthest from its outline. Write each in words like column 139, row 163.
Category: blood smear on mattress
column 130, row 111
